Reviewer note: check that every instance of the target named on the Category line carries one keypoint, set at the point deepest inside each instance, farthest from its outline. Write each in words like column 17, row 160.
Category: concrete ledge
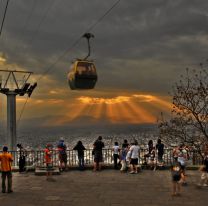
column 40, row 171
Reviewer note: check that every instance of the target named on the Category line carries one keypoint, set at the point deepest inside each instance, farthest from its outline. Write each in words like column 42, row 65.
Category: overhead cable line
column 28, row 18
column 71, row 47
column 5, row 11
column 77, row 41
column 41, row 21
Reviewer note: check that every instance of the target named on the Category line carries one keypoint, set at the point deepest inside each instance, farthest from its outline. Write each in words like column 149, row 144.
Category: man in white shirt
column 134, row 149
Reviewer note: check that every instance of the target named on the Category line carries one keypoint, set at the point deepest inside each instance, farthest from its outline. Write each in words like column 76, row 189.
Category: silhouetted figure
column 80, row 149
column 160, row 150
column 98, row 155
column 150, row 148
column 22, row 158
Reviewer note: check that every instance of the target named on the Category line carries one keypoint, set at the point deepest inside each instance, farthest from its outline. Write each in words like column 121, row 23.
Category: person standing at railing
column 80, row 149
column 152, row 159
column 98, row 155
column 160, row 151
column 116, row 152
column 62, row 155
column 6, row 160
column 150, row 148
column 134, row 157
column 22, row 158
column 48, row 161
column 123, row 154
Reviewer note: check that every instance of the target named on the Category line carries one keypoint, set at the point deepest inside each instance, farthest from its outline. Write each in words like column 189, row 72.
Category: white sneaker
column 205, row 185
column 132, row 172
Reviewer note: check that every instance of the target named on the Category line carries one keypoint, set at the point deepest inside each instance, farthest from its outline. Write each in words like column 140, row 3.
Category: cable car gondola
column 83, row 73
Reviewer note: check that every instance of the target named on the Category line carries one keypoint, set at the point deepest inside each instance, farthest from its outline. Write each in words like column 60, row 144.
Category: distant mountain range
column 81, row 125
column 80, row 122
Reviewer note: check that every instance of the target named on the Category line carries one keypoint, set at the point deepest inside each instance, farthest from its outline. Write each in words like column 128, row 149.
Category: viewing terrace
column 105, row 188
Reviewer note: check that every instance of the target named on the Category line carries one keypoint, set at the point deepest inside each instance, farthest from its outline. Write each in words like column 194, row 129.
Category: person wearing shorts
column 176, row 173
column 98, row 156
column 134, row 156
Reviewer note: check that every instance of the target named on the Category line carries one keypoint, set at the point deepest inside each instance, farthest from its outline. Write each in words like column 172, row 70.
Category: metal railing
column 37, row 158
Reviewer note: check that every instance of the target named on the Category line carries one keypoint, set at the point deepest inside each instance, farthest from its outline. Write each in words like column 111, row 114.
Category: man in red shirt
column 6, row 159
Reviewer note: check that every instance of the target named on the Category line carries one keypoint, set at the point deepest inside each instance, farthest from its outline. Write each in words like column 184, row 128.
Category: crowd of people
column 125, row 158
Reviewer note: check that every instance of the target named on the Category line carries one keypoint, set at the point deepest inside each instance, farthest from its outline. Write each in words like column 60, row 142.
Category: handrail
column 36, row 158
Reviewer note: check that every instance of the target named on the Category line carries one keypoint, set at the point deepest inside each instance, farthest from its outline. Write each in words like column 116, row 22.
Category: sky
column 140, row 50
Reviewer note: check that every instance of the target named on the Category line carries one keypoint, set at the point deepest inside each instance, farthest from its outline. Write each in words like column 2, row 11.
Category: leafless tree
column 189, row 121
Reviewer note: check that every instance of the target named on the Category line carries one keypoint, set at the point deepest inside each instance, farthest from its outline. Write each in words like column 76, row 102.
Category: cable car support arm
column 88, row 36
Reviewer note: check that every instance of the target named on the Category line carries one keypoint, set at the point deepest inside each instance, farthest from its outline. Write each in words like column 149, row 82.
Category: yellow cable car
column 83, row 73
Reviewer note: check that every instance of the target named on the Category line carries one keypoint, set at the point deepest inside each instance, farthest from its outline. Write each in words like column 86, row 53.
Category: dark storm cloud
column 141, row 44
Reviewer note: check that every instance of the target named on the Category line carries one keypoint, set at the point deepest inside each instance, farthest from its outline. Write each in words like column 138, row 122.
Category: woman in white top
column 134, row 149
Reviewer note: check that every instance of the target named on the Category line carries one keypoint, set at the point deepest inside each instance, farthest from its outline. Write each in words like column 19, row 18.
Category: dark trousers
column 115, row 158
column 7, row 175
column 81, row 162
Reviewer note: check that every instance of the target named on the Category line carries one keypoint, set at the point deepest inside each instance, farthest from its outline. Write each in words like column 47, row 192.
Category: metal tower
column 12, row 87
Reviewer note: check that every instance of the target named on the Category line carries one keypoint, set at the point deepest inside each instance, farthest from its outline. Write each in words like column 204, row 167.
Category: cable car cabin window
column 85, row 68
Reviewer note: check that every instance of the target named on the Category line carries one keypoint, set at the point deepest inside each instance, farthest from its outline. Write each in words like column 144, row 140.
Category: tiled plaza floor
column 108, row 187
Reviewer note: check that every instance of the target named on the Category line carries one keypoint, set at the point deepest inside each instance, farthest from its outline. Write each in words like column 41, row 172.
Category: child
column 116, row 151
column 48, row 161
column 176, row 172
column 204, row 175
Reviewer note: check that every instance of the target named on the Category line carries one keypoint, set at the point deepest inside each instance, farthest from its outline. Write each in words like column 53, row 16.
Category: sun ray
column 124, row 115
column 164, row 103
column 110, row 113
column 143, row 115
column 96, row 111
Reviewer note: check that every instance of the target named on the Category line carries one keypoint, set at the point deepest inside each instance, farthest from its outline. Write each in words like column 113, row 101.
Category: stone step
column 41, row 171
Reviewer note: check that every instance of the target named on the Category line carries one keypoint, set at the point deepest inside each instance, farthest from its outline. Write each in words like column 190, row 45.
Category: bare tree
column 189, row 121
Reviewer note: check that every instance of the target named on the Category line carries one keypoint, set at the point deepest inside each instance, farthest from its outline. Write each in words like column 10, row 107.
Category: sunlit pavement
column 108, row 187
